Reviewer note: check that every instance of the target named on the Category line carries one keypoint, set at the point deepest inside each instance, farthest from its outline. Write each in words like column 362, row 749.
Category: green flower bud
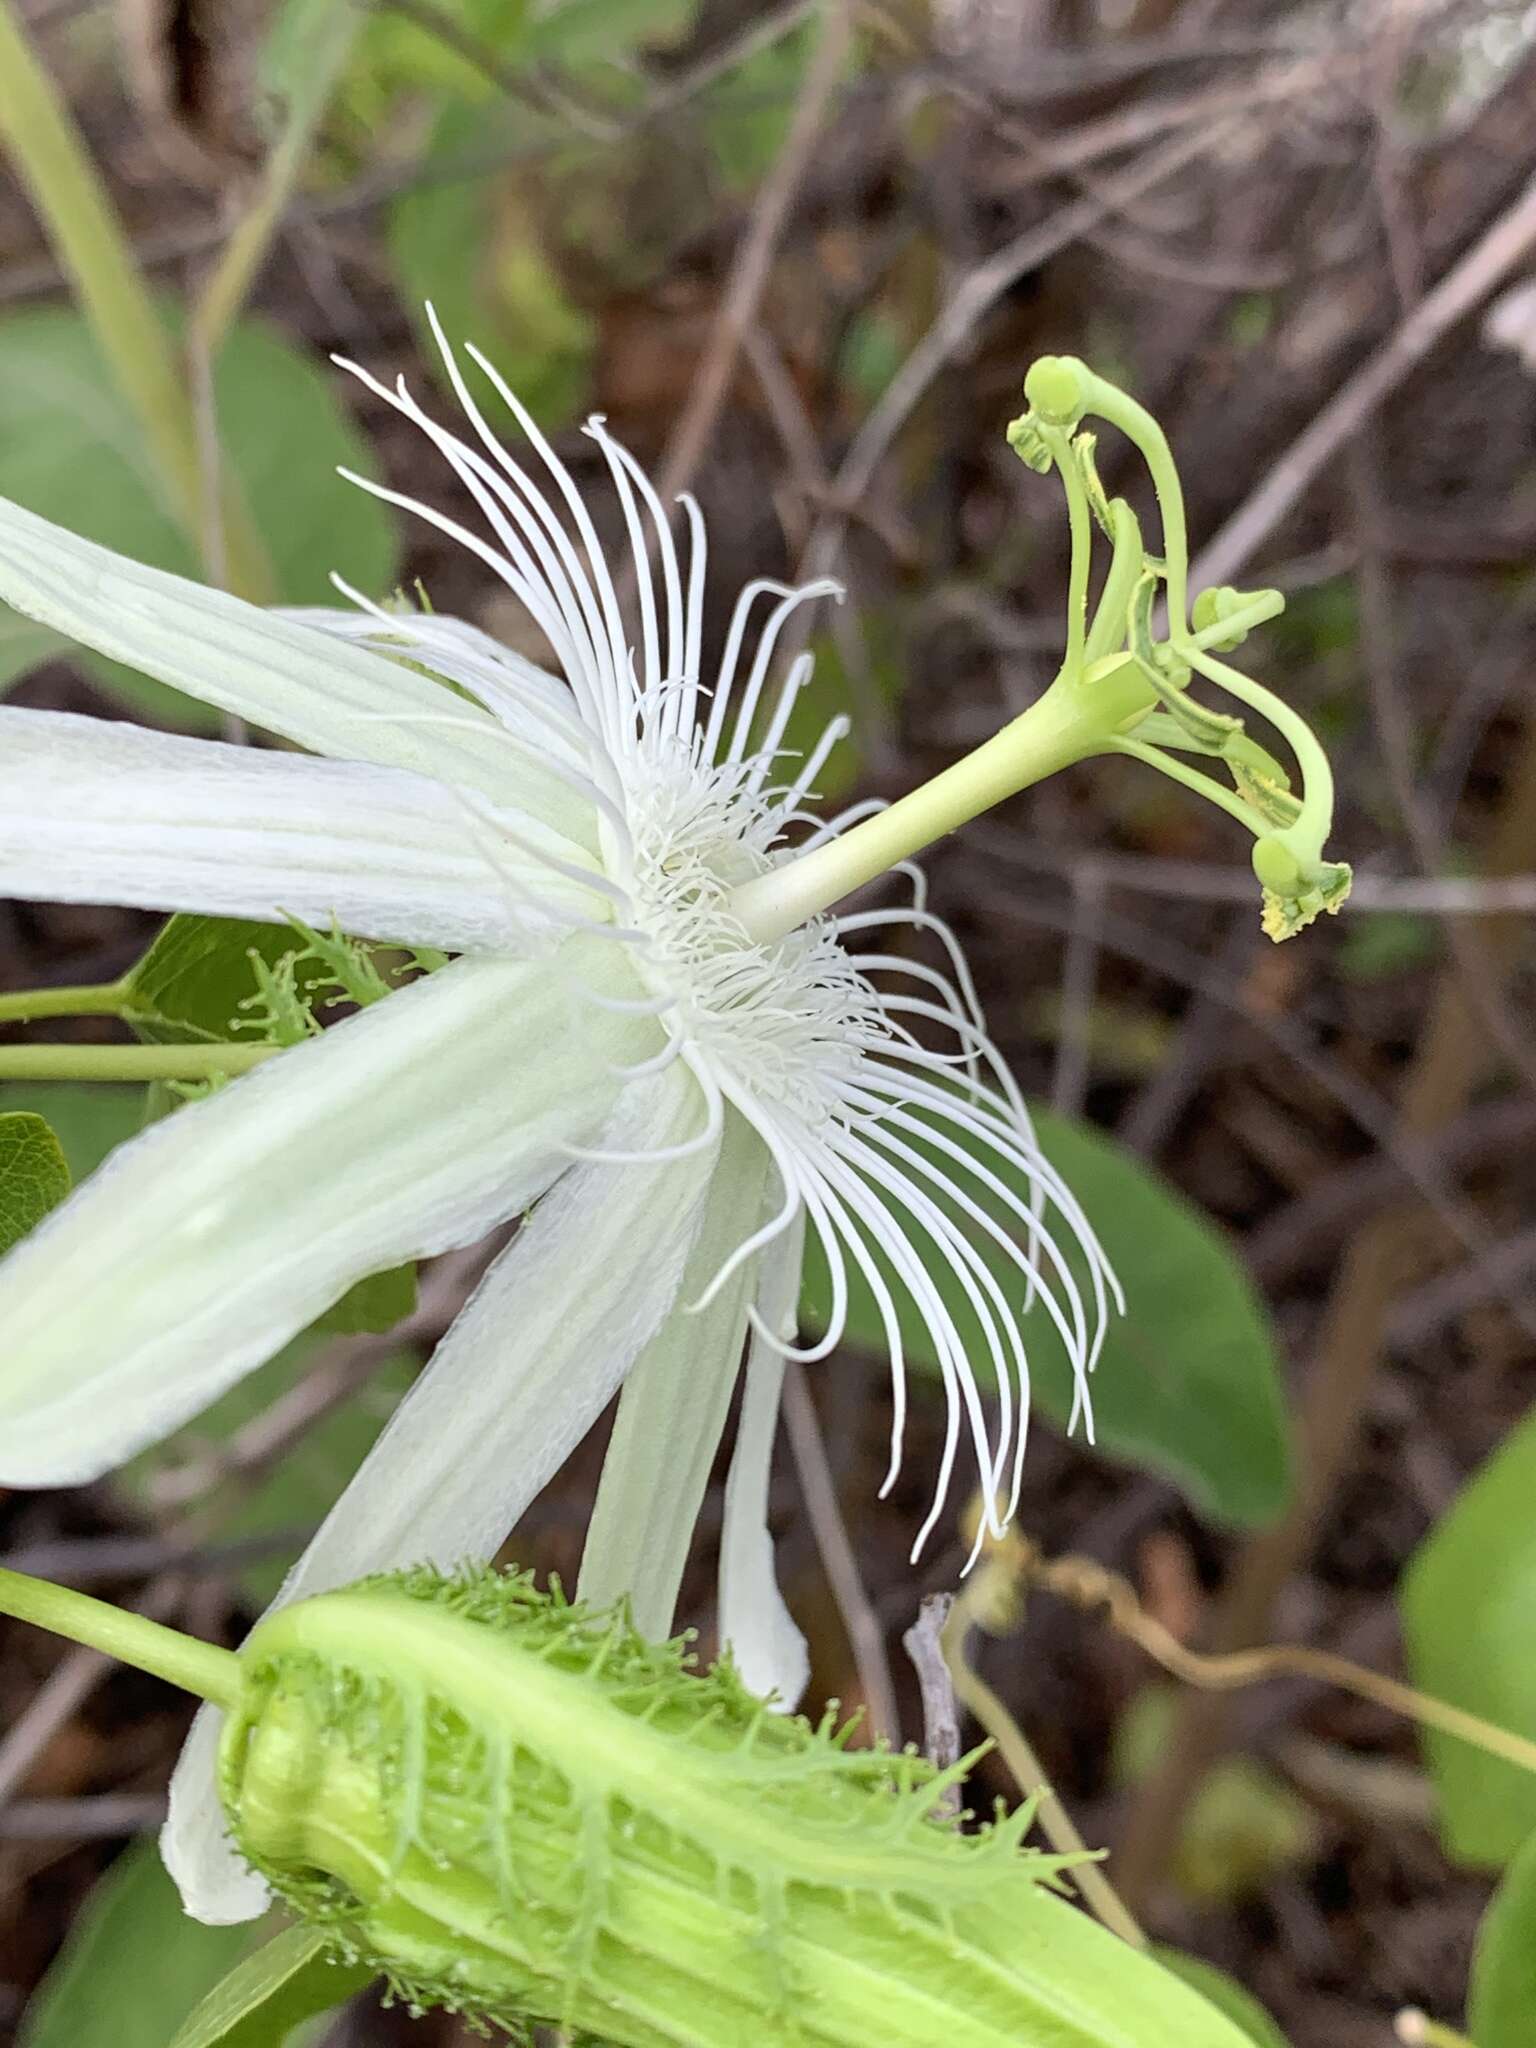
column 522, row 1811
column 1057, row 389
column 518, row 1809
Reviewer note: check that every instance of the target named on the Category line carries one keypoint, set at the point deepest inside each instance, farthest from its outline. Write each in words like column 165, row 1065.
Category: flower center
column 783, row 1018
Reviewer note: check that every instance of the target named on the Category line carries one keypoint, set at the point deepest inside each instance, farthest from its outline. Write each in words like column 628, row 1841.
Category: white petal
column 755, row 1625
column 515, row 1384
column 333, row 699
column 93, row 811
column 204, row 1245
column 673, row 1409
column 535, row 706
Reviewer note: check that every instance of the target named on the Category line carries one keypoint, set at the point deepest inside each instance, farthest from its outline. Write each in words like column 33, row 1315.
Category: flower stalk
column 85, row 999
column 197, row 1667
column 189, row 1063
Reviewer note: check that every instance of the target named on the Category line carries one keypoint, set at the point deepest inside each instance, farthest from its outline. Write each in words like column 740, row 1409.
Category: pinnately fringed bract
column 523, row 1811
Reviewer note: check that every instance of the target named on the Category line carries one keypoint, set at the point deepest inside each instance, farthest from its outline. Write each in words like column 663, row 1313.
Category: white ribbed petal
column 204, row 1245
column 755, row 1625
column 674, row 1406
column 93, row 811
column 286, row 678
column 534, row 705
column 519, row 1379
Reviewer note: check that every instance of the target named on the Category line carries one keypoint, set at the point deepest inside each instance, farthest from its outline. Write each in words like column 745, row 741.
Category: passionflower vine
column 652, row 1028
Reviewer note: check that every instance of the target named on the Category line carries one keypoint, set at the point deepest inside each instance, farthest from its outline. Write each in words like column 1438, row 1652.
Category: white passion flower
column 651, row 1030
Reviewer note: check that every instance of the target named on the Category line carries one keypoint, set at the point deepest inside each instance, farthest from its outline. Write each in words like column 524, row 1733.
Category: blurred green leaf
column 1501, row 2003
column 473, row 248
column 1189, row 1380
column 134, row 1965
column 1244, row 1826
column 1469, row 1621
column 70, row 451
column 875, row 348
column 301, row 1489
column 395, row 55
column 34, row 1175
column 832, row 693
column 1225, row 1994
column 1386, row 943
column 190, row 984
column 372, row 1305
column 577, row 33
column 264, row 1998
column 89, row 1118
column 747, row 114
column 1126, row 1041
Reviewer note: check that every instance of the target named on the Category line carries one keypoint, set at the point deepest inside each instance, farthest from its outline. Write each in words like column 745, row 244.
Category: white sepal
column 286, row 678
column 755, row 1624
column 673, row 1410
column 97, row 811
column 206, row 1243
column 519, row 1379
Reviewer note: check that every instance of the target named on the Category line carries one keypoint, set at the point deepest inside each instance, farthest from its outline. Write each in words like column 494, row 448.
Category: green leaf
column 300, row 1490
column 89, row 1118
column 69, row 449
column 1245, row 1825
column 746, row 115
column 34, row 1175
column 264, row 1998
column 583, row 32
column 372, row 1305
column 473, row 247
column 1387, row 943
column 190, row 984
column 1502, row 1997
column 1189, row 1380
column 1469, row 1621
column 134, row 1964
column 1226, row 1995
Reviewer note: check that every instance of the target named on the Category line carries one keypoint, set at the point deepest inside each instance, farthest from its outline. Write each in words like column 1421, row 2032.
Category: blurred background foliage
column 800, row 255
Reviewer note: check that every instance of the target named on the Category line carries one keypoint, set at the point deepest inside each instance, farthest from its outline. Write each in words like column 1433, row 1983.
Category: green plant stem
column 197, row 1667
column 87, row 999
column 1075, row 718
column 129, row 1062
column 1107, row 634
column 1080, row 527
column 1191, row 778
column 328, row 43
column 78, row 217
column 1316, row 775
column 1139, row 427
column 229, row 284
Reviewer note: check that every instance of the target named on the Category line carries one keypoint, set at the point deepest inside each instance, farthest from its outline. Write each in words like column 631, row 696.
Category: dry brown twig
column 1091, row 1586
column 818, row 1488
column 749, row 272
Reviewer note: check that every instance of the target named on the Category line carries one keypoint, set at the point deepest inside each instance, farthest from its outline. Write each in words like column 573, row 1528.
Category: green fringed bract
column 521, row 1810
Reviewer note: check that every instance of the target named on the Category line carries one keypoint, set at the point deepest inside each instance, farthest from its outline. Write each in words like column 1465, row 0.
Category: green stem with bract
column 197, row 1667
